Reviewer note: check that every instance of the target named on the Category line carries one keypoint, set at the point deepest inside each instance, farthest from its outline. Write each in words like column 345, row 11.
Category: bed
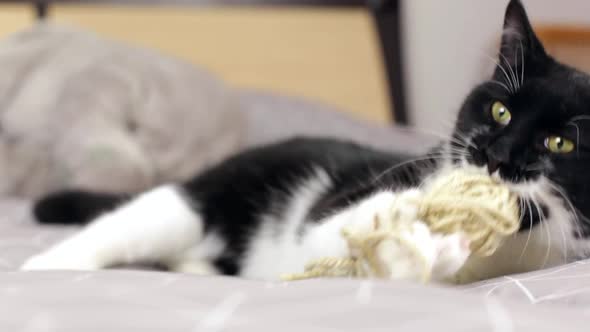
column 139, row 300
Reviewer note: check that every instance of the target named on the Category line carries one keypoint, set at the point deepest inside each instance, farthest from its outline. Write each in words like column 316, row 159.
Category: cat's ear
column 519, row 41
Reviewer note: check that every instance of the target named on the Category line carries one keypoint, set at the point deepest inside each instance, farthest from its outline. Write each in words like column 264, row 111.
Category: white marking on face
column 548, row 243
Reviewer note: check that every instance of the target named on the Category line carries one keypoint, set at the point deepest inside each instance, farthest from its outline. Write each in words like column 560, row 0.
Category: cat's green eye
column 558, row 144
column 500, row 113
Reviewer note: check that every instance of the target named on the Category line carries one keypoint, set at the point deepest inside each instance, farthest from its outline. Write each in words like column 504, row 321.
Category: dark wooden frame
column 386, row 13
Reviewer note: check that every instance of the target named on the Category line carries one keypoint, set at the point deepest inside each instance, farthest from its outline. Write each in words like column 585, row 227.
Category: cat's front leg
column 420, row 253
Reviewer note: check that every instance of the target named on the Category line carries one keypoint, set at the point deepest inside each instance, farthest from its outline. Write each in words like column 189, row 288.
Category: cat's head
column 529, row 123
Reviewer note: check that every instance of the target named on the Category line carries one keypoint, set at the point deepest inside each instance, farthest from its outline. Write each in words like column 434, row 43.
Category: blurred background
column 406, row 61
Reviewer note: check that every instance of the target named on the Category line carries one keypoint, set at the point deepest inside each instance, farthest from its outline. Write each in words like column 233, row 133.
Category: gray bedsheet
column 126, row 300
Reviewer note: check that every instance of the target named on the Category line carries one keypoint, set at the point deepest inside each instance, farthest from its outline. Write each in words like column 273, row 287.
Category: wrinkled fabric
column 556, row 299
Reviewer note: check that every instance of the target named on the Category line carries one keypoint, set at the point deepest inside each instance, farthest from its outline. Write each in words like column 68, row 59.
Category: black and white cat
column 270, row 210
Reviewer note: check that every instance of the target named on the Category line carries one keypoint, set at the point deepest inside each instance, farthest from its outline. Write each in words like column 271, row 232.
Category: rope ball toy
column 474, row 205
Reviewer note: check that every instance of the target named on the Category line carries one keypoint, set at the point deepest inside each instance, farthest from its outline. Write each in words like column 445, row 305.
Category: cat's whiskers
column 575, row 125
column 516, row 68
column 444, row 137
column 580, row 117
column 510, row 86
column 430, row 157
column 457, row 137
column 465, row 139
column 569, row 206
column 536, row 166
column 521, row 62
column 500, row 84
column 513, row 81
column 512, row 73
column 521, row 210
column 434, row 156
column 456, row 146
column 521, row 80
column 566, row 244
column 458, row 152
column 530, row 230
column 458, row 156
column 545, row 227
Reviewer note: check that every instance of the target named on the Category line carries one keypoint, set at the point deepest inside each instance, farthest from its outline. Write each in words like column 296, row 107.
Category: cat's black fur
column 548, row 102
column 233, row 195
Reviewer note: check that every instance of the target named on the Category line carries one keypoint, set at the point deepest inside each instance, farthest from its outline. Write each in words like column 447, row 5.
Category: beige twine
column 459, row 201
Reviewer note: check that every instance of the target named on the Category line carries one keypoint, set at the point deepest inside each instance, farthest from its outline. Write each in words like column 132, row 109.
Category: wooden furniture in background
column 569, row 44
column 378, row 98
column 385, row 21
column 14, row 17
column 326, row 54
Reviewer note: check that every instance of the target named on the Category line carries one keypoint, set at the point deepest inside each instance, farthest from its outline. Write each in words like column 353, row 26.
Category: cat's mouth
column 511, row 174
column 533, row 210
column 526, row 184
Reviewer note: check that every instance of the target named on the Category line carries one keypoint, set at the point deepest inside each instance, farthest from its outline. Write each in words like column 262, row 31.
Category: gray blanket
column 126, row 300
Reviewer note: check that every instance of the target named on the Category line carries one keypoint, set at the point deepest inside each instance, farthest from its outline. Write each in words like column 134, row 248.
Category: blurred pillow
column 80, row 111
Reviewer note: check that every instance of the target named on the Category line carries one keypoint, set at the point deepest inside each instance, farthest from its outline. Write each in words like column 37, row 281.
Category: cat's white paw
column 452, row 252
column 421, row 255
column 409, row 257
column 418, row 254
column 53, row 261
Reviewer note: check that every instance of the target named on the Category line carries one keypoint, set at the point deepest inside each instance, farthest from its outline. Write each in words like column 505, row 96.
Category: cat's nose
column 493, row 164
column 497, row 155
